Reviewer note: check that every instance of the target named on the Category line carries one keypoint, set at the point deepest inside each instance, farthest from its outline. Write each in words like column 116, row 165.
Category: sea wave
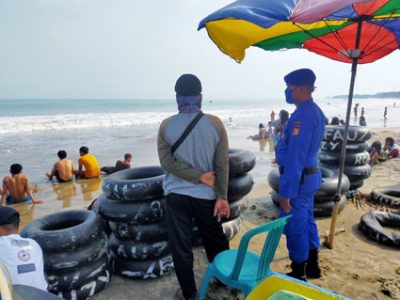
column 39, row 123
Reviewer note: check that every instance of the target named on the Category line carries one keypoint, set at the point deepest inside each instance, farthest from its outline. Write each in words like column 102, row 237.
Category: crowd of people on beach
column 16, row 187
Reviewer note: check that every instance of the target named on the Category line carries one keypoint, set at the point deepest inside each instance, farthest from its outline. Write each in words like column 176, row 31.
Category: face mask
column 289, row 96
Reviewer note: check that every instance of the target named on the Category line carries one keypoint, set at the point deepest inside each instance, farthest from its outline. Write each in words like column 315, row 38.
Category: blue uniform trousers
column 301, row 230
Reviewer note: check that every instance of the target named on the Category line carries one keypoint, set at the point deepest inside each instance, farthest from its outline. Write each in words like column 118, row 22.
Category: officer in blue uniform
column 299, row 176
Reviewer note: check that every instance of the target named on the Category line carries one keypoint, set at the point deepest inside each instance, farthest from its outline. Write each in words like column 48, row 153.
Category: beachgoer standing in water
column 385, row 113
column 16, row 187
column 356, row 110
column 299, row 176
column 196, row 180
column 362, row 111
column 272, row 116
column 88, row 165
column 63, row 170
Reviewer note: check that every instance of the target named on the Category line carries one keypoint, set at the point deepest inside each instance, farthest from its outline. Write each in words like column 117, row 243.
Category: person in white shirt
column 23, row 257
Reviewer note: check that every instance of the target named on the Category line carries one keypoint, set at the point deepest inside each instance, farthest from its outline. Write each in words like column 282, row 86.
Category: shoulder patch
column 296, row 128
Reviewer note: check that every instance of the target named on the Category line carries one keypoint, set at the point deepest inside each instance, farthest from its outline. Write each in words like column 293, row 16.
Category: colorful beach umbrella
column 350, row 31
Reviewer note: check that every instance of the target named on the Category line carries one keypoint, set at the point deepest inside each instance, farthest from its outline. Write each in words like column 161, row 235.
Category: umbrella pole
column 335, row 210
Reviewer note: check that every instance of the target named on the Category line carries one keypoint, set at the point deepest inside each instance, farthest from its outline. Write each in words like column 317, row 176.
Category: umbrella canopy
column 352, row 31
column 328, row 28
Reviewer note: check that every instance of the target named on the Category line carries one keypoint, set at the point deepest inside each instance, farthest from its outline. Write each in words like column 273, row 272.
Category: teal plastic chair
column 243, row 269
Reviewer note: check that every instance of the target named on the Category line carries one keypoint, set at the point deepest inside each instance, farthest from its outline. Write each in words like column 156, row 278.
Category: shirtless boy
column 16, row 188
column 63, row 170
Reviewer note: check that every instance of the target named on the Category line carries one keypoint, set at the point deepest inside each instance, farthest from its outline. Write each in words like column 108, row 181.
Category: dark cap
column 188, row 85
column 8, row 215
column 300, row 77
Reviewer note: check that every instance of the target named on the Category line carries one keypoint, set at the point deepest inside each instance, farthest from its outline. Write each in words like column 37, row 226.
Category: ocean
column 32, row 131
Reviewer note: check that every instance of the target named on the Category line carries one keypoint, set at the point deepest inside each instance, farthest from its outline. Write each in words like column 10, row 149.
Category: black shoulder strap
column 186, row 132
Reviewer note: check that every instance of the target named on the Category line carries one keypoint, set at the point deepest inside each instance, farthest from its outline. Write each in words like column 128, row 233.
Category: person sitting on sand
column 335, row 121
column 16, row 188
column 391, row 148
column 22, row 257
column 376, row 153
column 63, row 170
column 88, row 165
column 119, row 165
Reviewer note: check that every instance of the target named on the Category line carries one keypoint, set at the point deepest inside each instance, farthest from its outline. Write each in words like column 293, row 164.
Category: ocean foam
column 92, row 120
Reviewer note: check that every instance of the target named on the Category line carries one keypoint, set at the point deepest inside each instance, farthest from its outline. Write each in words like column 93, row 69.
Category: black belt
column 306, row 171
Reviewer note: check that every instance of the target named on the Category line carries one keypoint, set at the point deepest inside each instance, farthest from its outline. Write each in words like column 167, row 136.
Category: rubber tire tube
column 88, row 289
column 372, row 225
column 387, row 196
column 355, row 133
column 336, row 146
column 237, row 208
column 352, row 159
column 61, row 261
column 275, row 198
column 325, row 209
column 138, row 251
column 327, row 188
column 321, row 209
column 330, row 179
column 240, row 162
column 232, row 227
column 74, row 278
column 144, row 269
column 355, row 173
column 273, row 179
column 65, row 230
column 143, row 212
column 240, row 186
column 145, row 233
column 354, row 185
column 136, row 184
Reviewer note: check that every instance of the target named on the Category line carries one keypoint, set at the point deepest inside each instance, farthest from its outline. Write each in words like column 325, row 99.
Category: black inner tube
column 137, row 173
column 62, row 224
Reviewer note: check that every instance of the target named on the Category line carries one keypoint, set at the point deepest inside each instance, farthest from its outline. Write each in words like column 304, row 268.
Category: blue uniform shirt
column 299, row 147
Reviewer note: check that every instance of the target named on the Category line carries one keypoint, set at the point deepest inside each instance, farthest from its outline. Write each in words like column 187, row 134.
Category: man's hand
column 285, row 204
column 208, row 178
column 221, row 209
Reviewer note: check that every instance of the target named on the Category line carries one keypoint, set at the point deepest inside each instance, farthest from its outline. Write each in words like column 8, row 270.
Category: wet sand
column 357, row 267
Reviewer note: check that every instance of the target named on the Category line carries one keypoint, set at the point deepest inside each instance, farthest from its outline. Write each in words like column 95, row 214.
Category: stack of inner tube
column 240, row 184
column 357, row 166
column 75, row 252
column 324, row 197
column 134, row 205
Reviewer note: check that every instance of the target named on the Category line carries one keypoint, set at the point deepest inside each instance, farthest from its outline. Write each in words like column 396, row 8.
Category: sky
column 130, row 49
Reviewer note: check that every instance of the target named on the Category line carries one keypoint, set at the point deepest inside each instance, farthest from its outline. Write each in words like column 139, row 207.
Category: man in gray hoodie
column 196, row 180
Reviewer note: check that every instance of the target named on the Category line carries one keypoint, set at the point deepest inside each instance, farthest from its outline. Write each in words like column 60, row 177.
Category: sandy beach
column 357, row 267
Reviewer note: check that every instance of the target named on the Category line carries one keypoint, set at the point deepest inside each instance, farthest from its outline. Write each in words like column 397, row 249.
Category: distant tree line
column 377, row 95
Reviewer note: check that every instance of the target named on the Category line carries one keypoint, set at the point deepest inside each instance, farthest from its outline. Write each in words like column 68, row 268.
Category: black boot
column 312, row 268
column 298, row 271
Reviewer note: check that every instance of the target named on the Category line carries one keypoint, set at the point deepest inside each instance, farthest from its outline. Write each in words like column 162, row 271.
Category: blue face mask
column 289, row 96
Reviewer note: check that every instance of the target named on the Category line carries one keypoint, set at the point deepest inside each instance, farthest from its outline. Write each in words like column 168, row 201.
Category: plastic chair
column 243, row 269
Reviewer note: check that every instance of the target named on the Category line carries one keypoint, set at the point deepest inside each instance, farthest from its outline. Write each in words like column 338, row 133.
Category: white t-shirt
column 24, row 260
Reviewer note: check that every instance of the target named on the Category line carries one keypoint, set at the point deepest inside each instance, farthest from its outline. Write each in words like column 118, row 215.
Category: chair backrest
column 274, row 230
column 5, row 283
